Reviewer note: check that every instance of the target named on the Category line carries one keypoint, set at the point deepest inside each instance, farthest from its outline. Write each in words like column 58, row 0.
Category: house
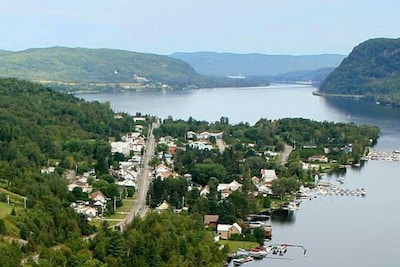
column 211, row 220
column 232, row 186
column 268, row 175
column 48, row 170
column 271, row 154
column 264, row 189
column 205, row 190
column 166, row 175
column 127, row 183
column 87, row 211
column 191, row 135
column 98, row 200
column 225, row 231
column 120, row 147
column 162, row 168
column 200, row 145
column 318, row 158
column 225, row 193
column 162, row 207
column 139, row 117
column 207, row 135
column 118, row 116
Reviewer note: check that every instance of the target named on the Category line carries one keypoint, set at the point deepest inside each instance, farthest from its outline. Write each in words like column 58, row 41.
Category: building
column 211, row 220
column 268, row 175
column 225, row 231
column 318, row 158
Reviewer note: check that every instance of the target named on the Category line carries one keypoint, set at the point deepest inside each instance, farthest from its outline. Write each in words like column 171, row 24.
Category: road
column 140, row 208
column 285, row 154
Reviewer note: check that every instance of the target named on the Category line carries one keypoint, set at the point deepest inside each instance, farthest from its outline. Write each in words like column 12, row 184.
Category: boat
column 258, row 252
column 282, row 249
column 242, row 253
column 237, row 261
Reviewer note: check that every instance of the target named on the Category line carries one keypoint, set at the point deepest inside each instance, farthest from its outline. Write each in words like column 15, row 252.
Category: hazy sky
column 167, row 26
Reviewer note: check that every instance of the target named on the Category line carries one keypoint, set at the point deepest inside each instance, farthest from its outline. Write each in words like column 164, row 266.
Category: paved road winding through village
column 140, row 207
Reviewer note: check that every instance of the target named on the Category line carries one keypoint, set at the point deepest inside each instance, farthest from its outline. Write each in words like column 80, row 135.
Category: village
column 97, row 207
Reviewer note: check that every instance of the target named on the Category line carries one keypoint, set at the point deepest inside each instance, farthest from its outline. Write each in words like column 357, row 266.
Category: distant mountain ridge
column 372, row 69
column 85, row 69
column 226, row 64
column 89, row 65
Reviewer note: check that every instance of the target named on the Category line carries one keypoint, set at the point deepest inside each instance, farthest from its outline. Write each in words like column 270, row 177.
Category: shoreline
column 318, row 93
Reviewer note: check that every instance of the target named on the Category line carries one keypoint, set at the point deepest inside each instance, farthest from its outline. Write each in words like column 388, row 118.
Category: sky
column 293, row 27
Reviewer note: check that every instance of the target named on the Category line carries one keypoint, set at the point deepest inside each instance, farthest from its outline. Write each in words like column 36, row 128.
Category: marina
column 383, row 155
column 272, row 252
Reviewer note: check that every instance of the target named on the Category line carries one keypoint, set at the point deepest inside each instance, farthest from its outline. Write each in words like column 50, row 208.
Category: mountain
column 80, row 69
column 314, row 76
column 228, row 64
column 83, row 65
column 372, row 69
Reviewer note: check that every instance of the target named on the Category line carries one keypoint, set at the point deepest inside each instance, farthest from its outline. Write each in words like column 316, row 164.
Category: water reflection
column 283, row 217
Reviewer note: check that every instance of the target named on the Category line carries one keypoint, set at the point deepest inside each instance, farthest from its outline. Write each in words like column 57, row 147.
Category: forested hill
column 41, row 127
column 90, row 65
column 372, row 69
column 228, row 64
column 79, row 69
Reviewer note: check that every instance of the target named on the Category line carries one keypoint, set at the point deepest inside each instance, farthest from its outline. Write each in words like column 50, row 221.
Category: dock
column 393, row 156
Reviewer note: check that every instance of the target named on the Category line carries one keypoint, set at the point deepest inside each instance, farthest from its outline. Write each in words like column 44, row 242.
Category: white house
column 207, row 135
column 127, row 183
column 205, row 190
column 200, row 145
column 268, row 175
column 232, row 186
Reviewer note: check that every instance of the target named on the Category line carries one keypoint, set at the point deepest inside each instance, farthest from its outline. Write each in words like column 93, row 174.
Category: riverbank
column 318, row 93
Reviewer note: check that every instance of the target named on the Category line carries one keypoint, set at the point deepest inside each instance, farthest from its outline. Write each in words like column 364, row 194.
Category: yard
column 235, row 245
column 4, row 209
column 120, row 214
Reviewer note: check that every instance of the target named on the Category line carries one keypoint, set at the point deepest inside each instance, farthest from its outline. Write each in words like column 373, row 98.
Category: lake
column 336, row 230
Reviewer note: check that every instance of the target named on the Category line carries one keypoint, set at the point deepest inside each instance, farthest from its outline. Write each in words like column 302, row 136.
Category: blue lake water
column 336, row 230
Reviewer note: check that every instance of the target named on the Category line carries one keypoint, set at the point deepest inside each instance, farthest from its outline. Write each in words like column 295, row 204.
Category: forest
column 372, row 70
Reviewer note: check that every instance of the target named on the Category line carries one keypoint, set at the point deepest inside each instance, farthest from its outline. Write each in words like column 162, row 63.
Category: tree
column 259, row 235
column 285, row 185
column 10, row 255
column 226, row 212
column 2, row 227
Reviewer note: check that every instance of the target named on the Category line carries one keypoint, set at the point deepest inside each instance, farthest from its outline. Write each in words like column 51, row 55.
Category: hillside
column 226, row 64
column 83, row 65
column 84, row 69
column 372, row 69
column 314, row 76
column 41, row 127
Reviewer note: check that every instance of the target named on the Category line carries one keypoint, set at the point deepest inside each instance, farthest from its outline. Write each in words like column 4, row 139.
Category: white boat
column 258, row 252
column 240, row 260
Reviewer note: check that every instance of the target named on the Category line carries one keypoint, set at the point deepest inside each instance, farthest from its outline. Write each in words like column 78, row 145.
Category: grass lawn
column 235, row 245
column 4, row 209
column 120, row 213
